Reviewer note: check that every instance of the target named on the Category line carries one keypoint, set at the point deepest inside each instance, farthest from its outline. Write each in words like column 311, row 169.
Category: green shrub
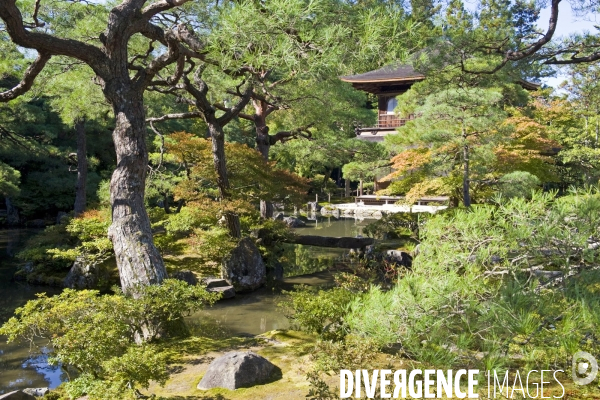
column 319, row 311
column 517, row 282
column 53, row 237
column 519, row 184
column 57, row 247
column 97, row 334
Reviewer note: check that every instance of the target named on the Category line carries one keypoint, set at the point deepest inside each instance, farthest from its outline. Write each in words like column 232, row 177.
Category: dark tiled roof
column 392, row 72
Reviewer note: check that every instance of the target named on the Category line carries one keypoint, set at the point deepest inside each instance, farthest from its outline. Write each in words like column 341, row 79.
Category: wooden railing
column 392, row 120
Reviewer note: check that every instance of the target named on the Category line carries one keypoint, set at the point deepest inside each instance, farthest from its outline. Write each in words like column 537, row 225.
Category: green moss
column 192, row 356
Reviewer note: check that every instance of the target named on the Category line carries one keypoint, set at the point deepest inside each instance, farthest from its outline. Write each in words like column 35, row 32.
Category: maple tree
column 572, row 128
column 458, row 146
column 251, row 178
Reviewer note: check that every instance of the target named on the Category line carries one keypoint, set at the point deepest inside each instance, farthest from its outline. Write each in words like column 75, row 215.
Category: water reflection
column 257, row 312
column 18, row 369
column 251, row 313
column 337, row 227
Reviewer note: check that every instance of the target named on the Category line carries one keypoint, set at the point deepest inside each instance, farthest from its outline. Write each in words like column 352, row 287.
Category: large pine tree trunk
column 218, row 150
column 138, row 260
column 80, row 195
column 266, row 209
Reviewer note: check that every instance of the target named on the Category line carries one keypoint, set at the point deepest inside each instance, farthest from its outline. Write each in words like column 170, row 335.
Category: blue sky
column 567, row 24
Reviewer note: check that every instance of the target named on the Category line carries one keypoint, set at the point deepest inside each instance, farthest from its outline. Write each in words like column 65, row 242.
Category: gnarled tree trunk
column 82, row 166
column 138, row 260
column 123, row 84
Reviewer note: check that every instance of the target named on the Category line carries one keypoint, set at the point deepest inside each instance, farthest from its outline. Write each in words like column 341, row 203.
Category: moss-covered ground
column 291, row 351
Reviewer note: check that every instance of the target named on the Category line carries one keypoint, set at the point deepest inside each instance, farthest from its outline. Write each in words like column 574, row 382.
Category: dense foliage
column 107, row 341
column 494, row 287
column 510, row 280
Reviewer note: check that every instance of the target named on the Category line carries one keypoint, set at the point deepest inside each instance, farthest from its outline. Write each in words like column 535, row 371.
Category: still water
column 18, row 369
column 257, row 312
column 251, row 313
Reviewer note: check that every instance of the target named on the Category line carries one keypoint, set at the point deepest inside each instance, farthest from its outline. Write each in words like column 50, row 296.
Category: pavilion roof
column 389, row 73
column 400, row 74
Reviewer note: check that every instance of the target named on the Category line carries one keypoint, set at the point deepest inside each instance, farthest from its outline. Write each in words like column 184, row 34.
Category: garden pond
column 246, row 314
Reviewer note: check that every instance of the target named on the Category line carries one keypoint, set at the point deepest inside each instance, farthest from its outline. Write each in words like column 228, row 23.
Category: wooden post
column 329, row 197
column 316, row 198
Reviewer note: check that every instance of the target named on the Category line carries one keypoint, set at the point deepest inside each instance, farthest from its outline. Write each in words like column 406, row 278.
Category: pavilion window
column 392, row 103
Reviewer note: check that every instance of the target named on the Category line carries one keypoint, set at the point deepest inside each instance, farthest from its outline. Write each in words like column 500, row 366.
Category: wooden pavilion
column 386, row 83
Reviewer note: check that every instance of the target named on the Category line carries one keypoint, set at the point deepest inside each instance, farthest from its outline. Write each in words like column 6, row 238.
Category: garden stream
column 246, row 314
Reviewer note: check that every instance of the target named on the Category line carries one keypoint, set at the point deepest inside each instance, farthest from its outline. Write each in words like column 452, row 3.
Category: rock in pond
column 244, row 267
column 278, row 216
column 220, row 286
column 294, row 222
column 314, row 206
column 37, row 392
column 16, row 395
column 238, row 369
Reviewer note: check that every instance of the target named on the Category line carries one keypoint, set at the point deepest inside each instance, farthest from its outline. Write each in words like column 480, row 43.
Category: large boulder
column 85, row 274
column 238, row 369
column 244, row 267
column 314, row 206
column 16, row 395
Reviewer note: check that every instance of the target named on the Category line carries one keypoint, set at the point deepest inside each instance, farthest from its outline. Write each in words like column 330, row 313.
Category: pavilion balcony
column 392, row 121
column 386, row 125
